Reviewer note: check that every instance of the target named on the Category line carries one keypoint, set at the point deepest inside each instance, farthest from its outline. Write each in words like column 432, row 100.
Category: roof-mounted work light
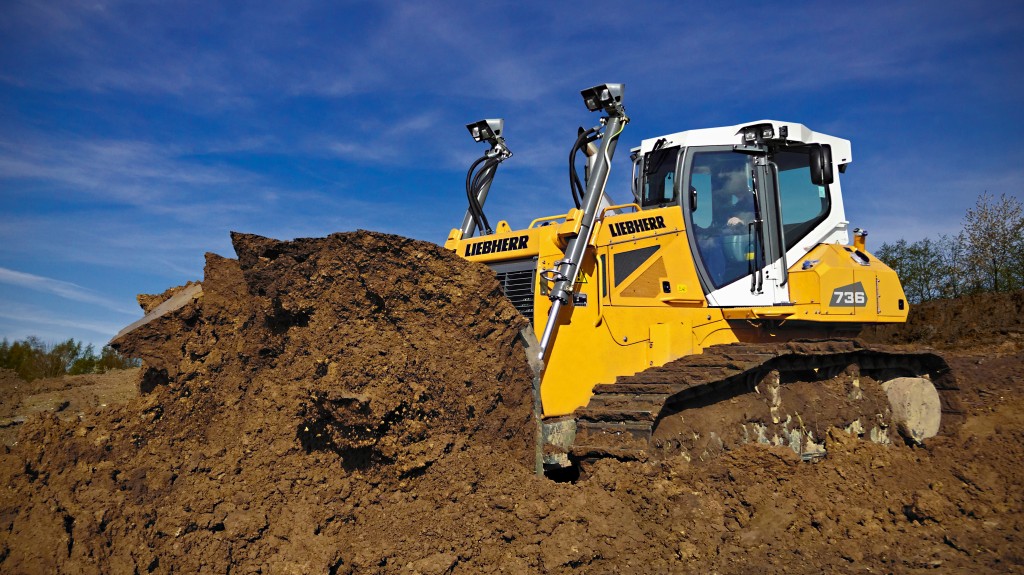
column 486, row 130
column 758, row 133
column 607, row 97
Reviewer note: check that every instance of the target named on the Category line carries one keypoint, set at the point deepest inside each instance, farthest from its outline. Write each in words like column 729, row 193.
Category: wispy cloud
column 898, row 199
column 386, row 139
column 186, row 191
column 233, row 54
column 30, row 320
column 132, row 172
column 152, row 208
column 60, row 288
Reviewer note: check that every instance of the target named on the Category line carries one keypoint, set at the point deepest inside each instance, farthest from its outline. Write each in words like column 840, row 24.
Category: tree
column 34, row 359
column 16, row 356
column 993, row 230
column 85, row 363
column 110, row 358
column 954, row 265
column 921, row 267
column 55, row 360
column 926, row 270
column 986, row 255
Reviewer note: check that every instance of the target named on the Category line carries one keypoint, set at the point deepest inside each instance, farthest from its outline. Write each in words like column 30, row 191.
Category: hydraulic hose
column 575, row 185
column 474, row 182
column 475, row 210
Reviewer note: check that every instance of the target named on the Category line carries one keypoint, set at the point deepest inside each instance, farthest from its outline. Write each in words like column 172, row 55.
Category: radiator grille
column 517, row 282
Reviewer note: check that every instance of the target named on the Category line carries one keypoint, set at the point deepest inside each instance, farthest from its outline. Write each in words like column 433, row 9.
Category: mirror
column 821, row 164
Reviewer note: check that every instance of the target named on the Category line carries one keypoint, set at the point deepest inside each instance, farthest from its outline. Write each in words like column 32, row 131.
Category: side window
column 804, row 204
column 659, row 177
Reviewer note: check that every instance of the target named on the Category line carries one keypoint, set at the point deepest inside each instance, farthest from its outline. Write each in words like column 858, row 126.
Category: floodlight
column 758, row 133
column 607, row 97
column 486, row 130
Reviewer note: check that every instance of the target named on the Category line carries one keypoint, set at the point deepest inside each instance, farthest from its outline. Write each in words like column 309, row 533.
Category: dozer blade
column 171, row 304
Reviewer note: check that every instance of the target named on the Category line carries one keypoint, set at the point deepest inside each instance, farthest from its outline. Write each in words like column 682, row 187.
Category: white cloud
column 60, row 288
column 132, row 172
column 29, row 320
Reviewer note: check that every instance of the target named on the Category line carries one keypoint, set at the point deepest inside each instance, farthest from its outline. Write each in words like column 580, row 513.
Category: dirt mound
column 149, row 302
column 985, row 319
column 11, row 390
column 9, row 377
column 16, row 390
column 384, row 343
column 71, row 397
column 307, row 372
column 357, row 404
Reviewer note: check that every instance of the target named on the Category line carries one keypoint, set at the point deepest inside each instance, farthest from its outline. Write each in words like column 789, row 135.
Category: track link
column 621, row 417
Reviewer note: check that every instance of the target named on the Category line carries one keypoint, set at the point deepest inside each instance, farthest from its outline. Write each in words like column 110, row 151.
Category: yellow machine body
column 638, row 301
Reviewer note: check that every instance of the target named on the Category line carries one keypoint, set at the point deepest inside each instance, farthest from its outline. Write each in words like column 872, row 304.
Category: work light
column 486, row 130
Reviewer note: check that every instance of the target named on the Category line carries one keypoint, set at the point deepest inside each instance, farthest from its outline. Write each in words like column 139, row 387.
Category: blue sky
column 135, row 135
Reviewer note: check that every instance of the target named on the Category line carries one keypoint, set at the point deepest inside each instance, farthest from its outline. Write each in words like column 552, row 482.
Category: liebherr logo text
column 637, row 226
column 496, row 246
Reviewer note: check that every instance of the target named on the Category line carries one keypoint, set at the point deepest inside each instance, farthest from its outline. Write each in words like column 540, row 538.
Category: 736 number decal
column 852, row 295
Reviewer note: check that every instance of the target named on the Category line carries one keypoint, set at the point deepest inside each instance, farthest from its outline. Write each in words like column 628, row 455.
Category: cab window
column 659, row 177
column 804, row 204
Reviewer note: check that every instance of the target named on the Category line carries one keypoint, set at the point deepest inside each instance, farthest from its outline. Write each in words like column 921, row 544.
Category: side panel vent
column 517, row 279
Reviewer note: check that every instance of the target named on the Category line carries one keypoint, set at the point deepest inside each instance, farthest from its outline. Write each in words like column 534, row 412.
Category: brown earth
column 994, row 321
column 358, row 404
column 70, row 397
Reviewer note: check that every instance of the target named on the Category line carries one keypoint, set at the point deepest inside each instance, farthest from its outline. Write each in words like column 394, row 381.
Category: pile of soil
column 359, row 404
column 992, row 320
column 70, row 397
column 387, row 350
column 311, row 378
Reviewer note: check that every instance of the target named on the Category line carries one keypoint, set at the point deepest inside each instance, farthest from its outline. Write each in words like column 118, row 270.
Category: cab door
column 728, row 206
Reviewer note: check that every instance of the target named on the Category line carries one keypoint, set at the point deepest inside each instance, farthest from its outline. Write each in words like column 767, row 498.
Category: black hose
column 575, row 185
column 475, row 210
column 574, row 178
column 474, row 183
column 484, row 177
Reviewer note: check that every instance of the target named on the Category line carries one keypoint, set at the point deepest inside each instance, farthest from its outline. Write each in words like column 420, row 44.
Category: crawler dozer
column 730, row 272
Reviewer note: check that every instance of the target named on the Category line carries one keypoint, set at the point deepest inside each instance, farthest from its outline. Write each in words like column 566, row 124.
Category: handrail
column 546, row 219
column 634, row 205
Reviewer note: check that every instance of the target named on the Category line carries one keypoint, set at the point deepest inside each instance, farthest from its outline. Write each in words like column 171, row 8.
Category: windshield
column 722, row 184
column 804, row 204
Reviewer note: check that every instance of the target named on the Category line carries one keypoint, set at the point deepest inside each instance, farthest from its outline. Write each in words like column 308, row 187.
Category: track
column 621, row 418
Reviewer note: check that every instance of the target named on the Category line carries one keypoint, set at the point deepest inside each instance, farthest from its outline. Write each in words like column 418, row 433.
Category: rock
column 916, row 408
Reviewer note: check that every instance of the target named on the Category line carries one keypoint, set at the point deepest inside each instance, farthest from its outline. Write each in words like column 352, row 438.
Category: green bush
column 32, row 358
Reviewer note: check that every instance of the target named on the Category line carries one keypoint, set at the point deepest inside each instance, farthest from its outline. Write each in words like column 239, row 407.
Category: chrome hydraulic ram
column 606, row 98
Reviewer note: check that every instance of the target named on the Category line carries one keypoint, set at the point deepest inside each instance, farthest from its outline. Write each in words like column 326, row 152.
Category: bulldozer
column 722, row 305
column 730, row 272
